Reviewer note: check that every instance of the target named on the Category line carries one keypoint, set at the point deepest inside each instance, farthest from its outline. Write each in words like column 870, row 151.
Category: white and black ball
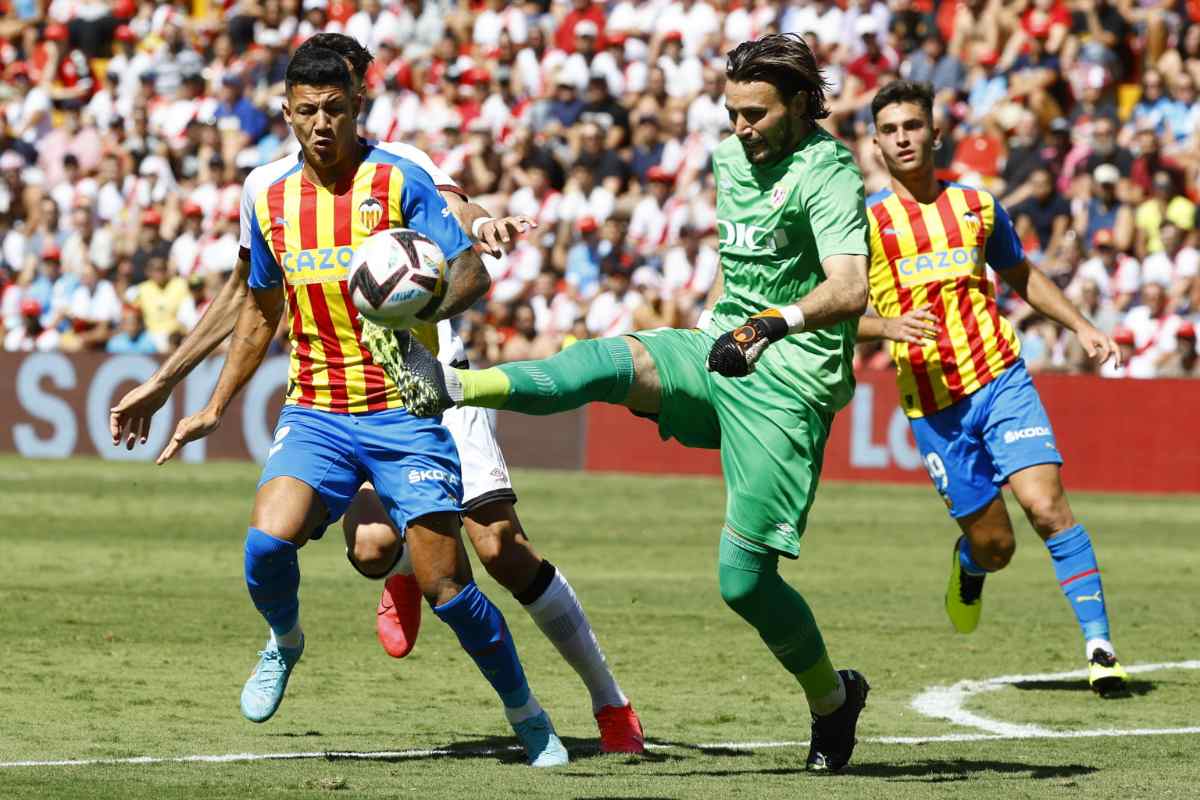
column 397, row 277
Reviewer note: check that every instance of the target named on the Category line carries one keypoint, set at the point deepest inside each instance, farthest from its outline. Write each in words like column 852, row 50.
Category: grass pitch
column 126, row 631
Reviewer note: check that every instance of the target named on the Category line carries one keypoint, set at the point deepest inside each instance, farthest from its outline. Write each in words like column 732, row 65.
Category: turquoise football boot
column 264, row 689
column 541, row 743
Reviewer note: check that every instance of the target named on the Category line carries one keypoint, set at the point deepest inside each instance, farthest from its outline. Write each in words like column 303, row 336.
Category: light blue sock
column 273, row 578
column 482, row 632
column 964, row 558
column 1079, row 576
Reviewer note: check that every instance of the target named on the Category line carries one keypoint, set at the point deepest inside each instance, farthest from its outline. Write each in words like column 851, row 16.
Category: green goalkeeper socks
column 486, row 388
column 751, row 586
column 593, row 370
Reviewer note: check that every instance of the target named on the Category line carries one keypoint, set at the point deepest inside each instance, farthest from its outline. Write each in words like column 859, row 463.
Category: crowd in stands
column 126, row 129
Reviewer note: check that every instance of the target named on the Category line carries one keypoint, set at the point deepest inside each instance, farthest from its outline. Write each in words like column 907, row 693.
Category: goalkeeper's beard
column 792, row 131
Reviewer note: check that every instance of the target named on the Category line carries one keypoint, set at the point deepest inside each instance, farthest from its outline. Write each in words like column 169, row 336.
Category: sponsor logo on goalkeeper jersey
column 1033, row 432
column 754, row 238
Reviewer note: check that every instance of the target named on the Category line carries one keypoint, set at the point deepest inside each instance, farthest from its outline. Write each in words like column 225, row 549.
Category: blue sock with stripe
column 273, row 578
column 482, row 632
column 966, row 561
column 1079, row 576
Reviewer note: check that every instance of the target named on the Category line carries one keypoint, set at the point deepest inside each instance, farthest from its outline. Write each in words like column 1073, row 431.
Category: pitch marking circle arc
column 947, row 703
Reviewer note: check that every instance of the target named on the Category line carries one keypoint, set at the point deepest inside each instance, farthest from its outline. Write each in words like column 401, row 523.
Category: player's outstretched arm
column 130, row 418
column 494, row 234
column 841, row 296
column 1046, row 298
column 916, row 327
column 256, row 324
column 469, row 281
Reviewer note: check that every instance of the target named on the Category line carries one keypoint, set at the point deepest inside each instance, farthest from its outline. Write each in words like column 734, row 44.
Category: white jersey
column 450, row 346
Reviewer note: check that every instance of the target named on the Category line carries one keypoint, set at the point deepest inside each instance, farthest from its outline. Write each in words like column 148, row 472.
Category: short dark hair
column 785, row 61
column 904, row 92
column 347, row 47
column 317, row 66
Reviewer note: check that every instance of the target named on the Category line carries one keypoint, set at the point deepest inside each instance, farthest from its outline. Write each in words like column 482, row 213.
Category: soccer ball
column 395, row 275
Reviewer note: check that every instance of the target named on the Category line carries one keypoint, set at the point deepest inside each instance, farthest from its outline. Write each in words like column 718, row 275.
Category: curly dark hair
column 785, row 61
column 347, row 47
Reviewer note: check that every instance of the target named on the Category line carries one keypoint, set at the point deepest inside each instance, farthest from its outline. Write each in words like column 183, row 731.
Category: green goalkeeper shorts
column 772, row 441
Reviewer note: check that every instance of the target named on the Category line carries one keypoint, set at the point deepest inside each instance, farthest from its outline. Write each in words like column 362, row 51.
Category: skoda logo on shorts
column 422, row 475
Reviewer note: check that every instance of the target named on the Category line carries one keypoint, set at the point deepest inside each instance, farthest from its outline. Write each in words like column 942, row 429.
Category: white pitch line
column 942, row 702
column 946, row 702
column 397, row 755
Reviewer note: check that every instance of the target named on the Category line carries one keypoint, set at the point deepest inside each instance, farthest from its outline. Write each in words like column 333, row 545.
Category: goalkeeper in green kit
column 761, row 383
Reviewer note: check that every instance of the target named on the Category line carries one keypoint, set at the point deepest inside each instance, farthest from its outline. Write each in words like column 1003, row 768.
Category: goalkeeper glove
column 735, row 352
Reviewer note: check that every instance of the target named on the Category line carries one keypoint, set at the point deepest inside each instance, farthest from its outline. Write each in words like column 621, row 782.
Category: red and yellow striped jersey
column 936, row 255
column 303, row 238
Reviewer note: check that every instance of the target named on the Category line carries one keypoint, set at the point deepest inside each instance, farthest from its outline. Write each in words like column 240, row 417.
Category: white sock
column 522, row 713
column 292, row 638
column 454, row 386
column 1103, row 644
column 830, row 702
column 558, row 613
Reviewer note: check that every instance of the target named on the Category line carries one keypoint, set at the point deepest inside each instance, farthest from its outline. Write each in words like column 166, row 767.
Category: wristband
column 704, row 318
column 479, row 223
column 794, row 317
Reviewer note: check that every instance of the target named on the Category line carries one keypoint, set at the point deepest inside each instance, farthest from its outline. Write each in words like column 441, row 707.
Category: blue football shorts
column 971, row 448
column 412, row 462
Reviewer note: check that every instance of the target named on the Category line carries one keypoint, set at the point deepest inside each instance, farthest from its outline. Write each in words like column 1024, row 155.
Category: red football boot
column 398, row 619
column 620, row 730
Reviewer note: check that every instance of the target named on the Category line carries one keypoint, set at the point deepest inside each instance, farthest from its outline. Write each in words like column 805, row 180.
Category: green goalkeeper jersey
column 776, row 224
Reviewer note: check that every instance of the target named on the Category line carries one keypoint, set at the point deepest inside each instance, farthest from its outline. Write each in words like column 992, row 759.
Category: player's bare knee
column 282, row 524
column 488, row 541
column 1049, row 514
column 997, row 553
column 508, row 562
column 375, row 547
column 501, row 545
column 288, row 509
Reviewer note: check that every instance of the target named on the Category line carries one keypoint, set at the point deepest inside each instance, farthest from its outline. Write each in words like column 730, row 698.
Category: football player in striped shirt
column 373, row 546
column 343, row 419
column 975, row 414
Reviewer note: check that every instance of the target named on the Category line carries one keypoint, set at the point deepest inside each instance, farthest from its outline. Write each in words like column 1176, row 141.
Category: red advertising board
column 1115, row 435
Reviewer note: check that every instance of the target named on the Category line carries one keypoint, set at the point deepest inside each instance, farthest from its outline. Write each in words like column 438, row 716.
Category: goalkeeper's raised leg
column 761, row 383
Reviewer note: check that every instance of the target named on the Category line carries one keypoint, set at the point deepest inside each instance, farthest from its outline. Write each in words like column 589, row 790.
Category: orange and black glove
column 735, row 352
